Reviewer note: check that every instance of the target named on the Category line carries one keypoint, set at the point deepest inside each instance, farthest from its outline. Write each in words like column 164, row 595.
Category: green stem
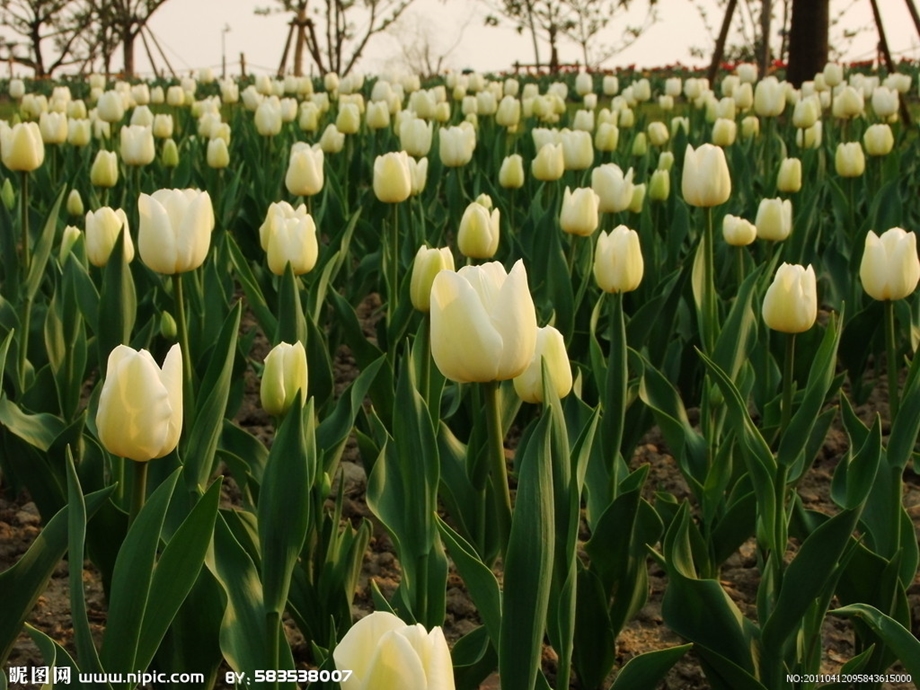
column 425, row 374
column 496, row 455
column 272, row 629
column 26, row 320
column 709, row 289
column 182, row 328
column 421, row 590
column 739, row 265
column 24, row 226
column 392, row 269
column 616, row 392
column 788, row 363
column 892, row 351
column 139, row 491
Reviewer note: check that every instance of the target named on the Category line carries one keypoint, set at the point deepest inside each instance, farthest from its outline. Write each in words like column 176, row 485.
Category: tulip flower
column 283, row 375
column 140, row 406
column 618, row 264
column 415, row 136
column 110, row 107
column 7, row 195
column 665, row 160
column 175, row 96
column 769, row 97
column 639, row 145
column 890, row 268
column 74, row 203
column 392, row 179
column 833, row 74
column 774, row 219
column 658, row 133
column 456, row 145
column 791, row 302
column 384, row 652
column 137, row 147
column 268, row 117
column 332, row 140
column 428, row 263
column 378, row 115
column 885, row 102
column 789, row 178
column 418, row 173
column 79, row 132
column 175, row 229
column 479, row 231
column 579, row 211
column 305, row 170
column 17, row 89
column 69, row 238
column 612, row 187
column 878, row 140
column 849, row 160
column 606, row 137
column 659, row 186
column 509, row 112
column 738, row 232
column 102, row 230
column 705, row 181
column 218, row 156
column 810, row 138
column 104, row 171
column 724, row 132
column 21, row 147
column 549, row 163
column 170, row 154
column 806, row 112
column 308, row 120
column 511, row 175
column 53, row 128
column 638, row 198
column 348, row 120
column 288, row 235
column 483, row 323
column 550, row 347
column 750, row 127
column 577, row 150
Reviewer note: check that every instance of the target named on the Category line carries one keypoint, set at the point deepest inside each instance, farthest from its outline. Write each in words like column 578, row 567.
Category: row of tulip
column 306, row 232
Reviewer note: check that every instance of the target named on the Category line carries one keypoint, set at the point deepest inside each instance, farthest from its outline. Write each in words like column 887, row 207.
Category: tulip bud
column 638, row 198
column 102, row 230
column 579, row 211
column 53, row 128
column 415, row 136
column 110, row 107
column 428, row 263
column 218, row 156
column 268, row 117
column 705, row 181
column 74, row 203
column 665, row 160
column 305, row 175
column 577, row 150
column 332, row 140
column 885, row 102
column 618, row 265
column 606, row 137
column 17, row 89
column 175, row 96
column 806, row 113
column 550, row 348
column 289, row 236
column 104, row 172
column 659, row 187
column 7, row 195
column 848, row 103
column 170, row 154
column 284, row 374
column 614, row 190
column 774, row 219
column 348, row 121
column 789, row 178
column 70, row 237
column 791, row 302
column 479, row 232
column 769, row 97
column 137, row 147
column 418, row 173
column 168, row 328
column 378, row 115
column 79, row 132
column 456, row 145
column 878, row 140
column 890, row 268
column 140, row 408
column 549, row 163
column 309, row 117
column 392, row 180
column 849, row 160
column 21, row 147
column 750, row 127
column 810, row 138
column 743, row 96
column 483, row 323
column 658, row 134
column 175, row 229
column 511, row 175
column 738, row 232
column 833, row 74
column 747, row 73
column 639, row 145
column 724, row 132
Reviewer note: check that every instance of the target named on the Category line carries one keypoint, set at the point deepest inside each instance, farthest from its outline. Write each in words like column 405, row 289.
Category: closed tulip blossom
column 724, row 132
column 549, row 163
column 218, row 155
column 392, row 178
column 289, row 235
column 737, row 231
column 774, row 219
column 850, row 161
column 483, row 323
column 579, row 215
column 137, row 147
column 885, row 102
column 878, row 140
column 21, row 147
column 104, row 171
column 415, row 136
column 53, row 128
column 268, row 117
column 175, row 229
column 456, row 145
column 428, row 263
column 304, row 175
column 479, row 231
column 383, row 652
column 284, row 374
column 332, row 140
column 705, row 181
column 418, row 174
column 769, row 97
column 658, row 133
column 613, row 188
column 140, row 407
column 890, row 268
column 791, row 302
column 618, row 264
column 659, row 186
column 511, row 174
column 789, row 177
column 550, row 348
column 102, row 230
column 577, row 149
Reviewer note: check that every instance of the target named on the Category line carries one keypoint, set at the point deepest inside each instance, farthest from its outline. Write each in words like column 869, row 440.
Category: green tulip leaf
column 117, row 302
column 905, row 427
column 255, row 298
column 898, row 638
column 42, row 249
column 854, row 476
column 38, row 430
column 645, row 671
column 53, row 655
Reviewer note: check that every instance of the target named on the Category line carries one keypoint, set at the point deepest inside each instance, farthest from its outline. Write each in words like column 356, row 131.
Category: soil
column 20, row 524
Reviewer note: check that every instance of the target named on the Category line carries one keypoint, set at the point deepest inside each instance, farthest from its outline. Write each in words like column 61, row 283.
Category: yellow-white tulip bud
column 789, row 178
column 21, row 147
column 659, row 186
column 509, row 112
column 724, row 132
column 791, row 302
column 415, row 136
column 479, row 232
column 218, row 156
column 747, row 73
column 738, row 232
column 332, row 140
column 175, row 229
column 53, row 128
column 110, row 107
column 348, row 121
column 483, row 323
column 705, row 181
column 639, row 145
column 806, row 113
column 577, row 150
column 137, row 147
column 69, row 238
column 549, row 163
column 17, row 89
column 140, row 406
column 658, row 133
column 638, row 198
column 744, row 96
column 268, row 117
column 284, row 374
column 304, row 175
column 879, row 140
column 885, row 102
column 418, row 172
column 456, row 145
column 618, row 265
column 175, row 96
column 378, row 115
column 774, row 219
column 613, row 188
column 665, row 160
column 7, row 195
column 392, row 179
column 308, row 120
column 74, row 203
column 289, row 235
column 104, row 172
column 142, row 116
column 750, row 127
column 606, row 137
column 848, row 103
column 511, row 175
column 890, row 268
column 769, row 97
column 850, row 161
column 102, row 230
column 170, row 154
column 810, row 138
column 550, row 347
column 579, row 215
column 428, row 263
column 833, row 74
column 79, row 132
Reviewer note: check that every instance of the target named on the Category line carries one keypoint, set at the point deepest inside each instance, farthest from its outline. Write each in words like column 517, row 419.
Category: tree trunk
column 807, row 39
column 127, row 46
column 39, row 65
column 766, row 15
column 301, row 41
column 720, row 43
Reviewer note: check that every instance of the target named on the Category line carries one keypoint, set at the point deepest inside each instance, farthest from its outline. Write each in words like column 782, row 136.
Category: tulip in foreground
column 21, row 147
column 483, row 323
column 140, row 407
column 305, row 170
column 579, row 214
column 705, row 181
column 175, row 229
column 479, row 230
column 284, row 374
column 791, row 302
column 384, row 652
column 392, row 178
column 550, row 347
column 890, row 268
column 618, row 264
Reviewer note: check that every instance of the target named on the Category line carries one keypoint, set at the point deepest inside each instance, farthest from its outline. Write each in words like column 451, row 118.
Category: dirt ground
column 20, row 524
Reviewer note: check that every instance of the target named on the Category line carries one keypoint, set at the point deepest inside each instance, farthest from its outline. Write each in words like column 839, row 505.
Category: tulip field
column 566, row 349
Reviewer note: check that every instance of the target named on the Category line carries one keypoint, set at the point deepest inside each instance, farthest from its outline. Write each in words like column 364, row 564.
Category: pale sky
column 190, row 32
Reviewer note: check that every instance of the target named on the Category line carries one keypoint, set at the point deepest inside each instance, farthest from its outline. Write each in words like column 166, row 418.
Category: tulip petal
column 156, row 240
column 515, row 318
column 356, row 650
column 171, row 377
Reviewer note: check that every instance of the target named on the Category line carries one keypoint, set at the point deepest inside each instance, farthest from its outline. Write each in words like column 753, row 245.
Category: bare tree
column 125, row 19
column 59, row 23
column 421, row 50
column 336, row 32
column 588, row 18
